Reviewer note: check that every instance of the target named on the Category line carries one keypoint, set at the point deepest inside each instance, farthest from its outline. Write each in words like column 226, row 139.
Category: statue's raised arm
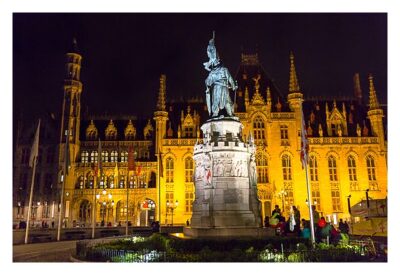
column 218, row 83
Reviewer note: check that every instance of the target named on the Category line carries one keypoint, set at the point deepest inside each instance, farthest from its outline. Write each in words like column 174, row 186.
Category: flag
column 139, row 170
column 304, row 142
column 161, row 163
column 35, row 147
column 131, row 159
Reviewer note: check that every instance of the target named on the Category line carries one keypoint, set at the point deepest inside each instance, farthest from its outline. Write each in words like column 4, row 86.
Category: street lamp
column 314, row 202
column 282, row 195
column 171, row 206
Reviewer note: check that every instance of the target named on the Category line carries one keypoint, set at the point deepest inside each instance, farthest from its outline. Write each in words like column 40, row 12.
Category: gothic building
column 348, row 152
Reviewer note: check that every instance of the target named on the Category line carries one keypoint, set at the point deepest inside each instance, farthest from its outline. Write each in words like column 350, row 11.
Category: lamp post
column 348, row 203
column 172, row 206
column 282, row 195
column 366, row 195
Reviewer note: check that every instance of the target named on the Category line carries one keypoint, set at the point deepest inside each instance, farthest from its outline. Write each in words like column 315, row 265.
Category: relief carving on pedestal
column 203, row 169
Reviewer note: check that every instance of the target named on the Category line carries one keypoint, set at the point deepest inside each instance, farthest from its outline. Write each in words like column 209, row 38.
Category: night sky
column 124, row 55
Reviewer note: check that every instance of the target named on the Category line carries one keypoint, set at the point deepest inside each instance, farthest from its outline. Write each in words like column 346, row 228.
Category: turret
column 161, row 115
column 295, row 96
column 375, row 114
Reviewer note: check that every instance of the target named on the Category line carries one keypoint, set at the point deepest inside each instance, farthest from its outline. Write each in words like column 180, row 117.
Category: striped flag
column 35, row 147
column 304, row 142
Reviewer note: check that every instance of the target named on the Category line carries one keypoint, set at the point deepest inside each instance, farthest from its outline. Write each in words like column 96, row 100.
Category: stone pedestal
column 225, row 183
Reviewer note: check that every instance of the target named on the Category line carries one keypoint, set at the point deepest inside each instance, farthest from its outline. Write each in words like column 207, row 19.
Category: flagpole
column 127, row 208
column 94, row 206
column 32, row 163
column 159, row 188
column 304, row 150
column 30, row 201
column 63, row 184
column 310, row 208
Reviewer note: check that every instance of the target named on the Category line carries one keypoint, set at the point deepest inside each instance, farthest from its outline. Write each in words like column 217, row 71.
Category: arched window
column 101, row 184
column 93, row 156
column 258, row 129
column 81, row 182
column 351, row 164
column 188, row 169
column 313, row 164
column 169, row 168
column 284, row 135
column 114, row 156
column 111, row 182
column 371, row 169
column 262, row 169
column 286, row 167
column 122, row 182
column 335, row 191
column 85, row 157
column 89, row 183
column 315, row 193
column 332, row 169
column 124, row 156
column 104, row 156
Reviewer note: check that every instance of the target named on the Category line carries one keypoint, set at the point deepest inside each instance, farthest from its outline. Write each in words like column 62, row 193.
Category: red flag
column 304, row 142
column 131, row 159
column 139, row 170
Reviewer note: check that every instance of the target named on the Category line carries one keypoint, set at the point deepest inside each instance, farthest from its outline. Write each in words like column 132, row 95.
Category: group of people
column 296, row 226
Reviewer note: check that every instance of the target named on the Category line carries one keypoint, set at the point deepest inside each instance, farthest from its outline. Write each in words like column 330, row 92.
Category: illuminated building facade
column 348, row 152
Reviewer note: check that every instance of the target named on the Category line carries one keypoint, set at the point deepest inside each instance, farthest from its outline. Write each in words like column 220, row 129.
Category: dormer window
column 91, row 131
column 111, row 131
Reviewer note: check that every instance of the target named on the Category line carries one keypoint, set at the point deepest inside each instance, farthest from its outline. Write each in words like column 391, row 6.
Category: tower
column 375, row 114
column 71, row 110
column 161, row 115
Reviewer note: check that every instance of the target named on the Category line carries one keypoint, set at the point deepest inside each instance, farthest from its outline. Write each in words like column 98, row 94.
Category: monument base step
column 228, row 232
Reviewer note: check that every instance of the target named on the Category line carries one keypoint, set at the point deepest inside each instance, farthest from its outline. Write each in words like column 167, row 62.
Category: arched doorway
column 121, row 212
column 85, row 213
column 147, row 212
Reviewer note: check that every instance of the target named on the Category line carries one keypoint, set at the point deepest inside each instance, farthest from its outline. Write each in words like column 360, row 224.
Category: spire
column 373, row 100
column 74, row 47
column 268, row 96
column 293, row 83
column 357, row 87
column 162, row 94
